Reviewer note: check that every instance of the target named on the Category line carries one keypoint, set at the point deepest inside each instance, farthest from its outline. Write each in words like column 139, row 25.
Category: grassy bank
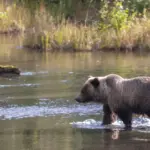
column 113, row 28
column 69, row 36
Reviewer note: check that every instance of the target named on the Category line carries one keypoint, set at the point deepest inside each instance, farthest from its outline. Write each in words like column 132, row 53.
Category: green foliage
column 5, row 22
column 138, row 6
column 116, row 16
column 3, row 15
column 58, row 8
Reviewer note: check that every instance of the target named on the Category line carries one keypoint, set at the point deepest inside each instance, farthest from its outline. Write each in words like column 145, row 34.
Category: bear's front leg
column 126, row 117
column 108, row 117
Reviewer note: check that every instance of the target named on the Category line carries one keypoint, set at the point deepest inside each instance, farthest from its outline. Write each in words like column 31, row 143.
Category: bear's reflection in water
column 107, row 139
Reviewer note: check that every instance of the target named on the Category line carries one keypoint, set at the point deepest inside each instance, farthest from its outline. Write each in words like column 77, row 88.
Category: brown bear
column 119, row 96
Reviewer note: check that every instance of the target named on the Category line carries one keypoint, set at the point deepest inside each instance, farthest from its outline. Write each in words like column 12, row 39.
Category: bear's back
column 137, row 91
column 138, row 83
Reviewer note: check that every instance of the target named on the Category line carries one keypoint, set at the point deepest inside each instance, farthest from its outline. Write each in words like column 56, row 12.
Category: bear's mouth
column 82, row 100
column 79, row 100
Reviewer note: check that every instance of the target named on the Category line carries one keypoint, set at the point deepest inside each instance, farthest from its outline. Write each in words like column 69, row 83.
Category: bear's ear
column 95, row 82
column 109, row 82
column 90, row 76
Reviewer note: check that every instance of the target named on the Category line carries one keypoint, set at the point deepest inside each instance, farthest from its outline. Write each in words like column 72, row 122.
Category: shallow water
column 37, row 110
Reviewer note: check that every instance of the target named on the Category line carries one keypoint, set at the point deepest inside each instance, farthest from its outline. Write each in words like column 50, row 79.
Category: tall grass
column 13, row 19
column 68, row 36
column 46, row 31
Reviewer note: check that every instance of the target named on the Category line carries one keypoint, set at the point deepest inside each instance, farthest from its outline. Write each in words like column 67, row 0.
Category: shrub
column 116, row 16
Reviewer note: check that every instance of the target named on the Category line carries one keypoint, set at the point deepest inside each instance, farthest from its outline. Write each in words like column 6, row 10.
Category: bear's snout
column 78, row 99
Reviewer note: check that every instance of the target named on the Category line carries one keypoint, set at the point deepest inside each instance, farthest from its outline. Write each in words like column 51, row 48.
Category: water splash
column 88, row 124
column 138, row 123
column 141, row 122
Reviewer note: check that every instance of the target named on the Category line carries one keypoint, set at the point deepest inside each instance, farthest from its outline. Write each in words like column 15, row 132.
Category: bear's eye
column 83, row 91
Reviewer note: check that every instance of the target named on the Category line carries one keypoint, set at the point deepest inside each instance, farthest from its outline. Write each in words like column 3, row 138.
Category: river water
column 38, row 111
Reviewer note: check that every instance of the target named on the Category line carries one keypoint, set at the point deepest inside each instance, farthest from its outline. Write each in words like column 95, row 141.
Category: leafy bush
column 138, row 6
column 116, row 16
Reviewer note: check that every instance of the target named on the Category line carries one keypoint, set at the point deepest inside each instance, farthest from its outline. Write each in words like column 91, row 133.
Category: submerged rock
column 6, row 70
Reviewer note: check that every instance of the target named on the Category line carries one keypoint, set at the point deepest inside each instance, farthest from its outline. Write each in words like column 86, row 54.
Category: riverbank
column 89, row 38
column 45, row 33
column 74, row 38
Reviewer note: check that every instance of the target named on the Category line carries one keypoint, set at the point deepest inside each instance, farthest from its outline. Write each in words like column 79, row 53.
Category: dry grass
column 68, row 36
column 44, row 32
column 13, row 19
column 138, row 35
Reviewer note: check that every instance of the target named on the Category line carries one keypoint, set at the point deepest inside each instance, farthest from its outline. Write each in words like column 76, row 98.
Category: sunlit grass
column 13, row 19
column 137, row 36
column 69, row 36
column 47, row 32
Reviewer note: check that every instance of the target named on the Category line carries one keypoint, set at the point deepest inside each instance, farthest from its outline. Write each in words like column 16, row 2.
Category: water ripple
column 18, row 112
column 33, row 73
column 19, row 85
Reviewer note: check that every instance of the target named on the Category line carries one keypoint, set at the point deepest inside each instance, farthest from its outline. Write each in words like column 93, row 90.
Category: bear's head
column 97, row 89
column 94, row 89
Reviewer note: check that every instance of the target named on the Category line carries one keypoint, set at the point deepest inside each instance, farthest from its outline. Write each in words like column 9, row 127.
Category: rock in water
column 8, row 69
